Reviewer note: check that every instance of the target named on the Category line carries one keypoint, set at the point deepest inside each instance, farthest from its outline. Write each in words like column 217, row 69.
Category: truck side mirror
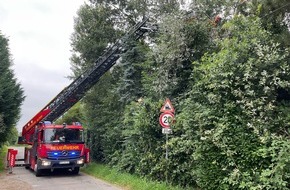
column 21, row 140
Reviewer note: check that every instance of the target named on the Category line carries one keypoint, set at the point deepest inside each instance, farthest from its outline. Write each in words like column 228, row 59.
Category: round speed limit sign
column 165, row 119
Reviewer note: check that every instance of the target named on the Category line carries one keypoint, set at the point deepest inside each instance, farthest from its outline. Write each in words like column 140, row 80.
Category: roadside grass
column 3, row 151
column 125, row 180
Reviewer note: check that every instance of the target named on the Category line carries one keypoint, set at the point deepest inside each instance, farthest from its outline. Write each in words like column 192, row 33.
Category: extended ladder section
column 77, row 89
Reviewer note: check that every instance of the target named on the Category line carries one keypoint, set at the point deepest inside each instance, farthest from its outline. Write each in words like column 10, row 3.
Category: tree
column 179, row 41
column 72, row 115
column 102, row 115
column 234, row 114
column 130, row 86
column 11, row 93
column 232, row 103
column 273, row 14
column 94, row 31
column 142, row 149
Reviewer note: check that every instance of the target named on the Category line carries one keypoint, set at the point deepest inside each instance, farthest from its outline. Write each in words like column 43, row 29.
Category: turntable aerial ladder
column 53, row 146
column 77, row 89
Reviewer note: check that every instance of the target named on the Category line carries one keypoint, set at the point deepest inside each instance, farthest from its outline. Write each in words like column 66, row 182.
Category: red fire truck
column 56, row 146
column 53, row 146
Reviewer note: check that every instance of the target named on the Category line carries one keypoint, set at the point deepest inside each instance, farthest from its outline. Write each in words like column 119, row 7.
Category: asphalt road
column 57, row 180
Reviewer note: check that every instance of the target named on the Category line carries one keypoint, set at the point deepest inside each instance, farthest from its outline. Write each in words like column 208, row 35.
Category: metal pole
column 166, row 157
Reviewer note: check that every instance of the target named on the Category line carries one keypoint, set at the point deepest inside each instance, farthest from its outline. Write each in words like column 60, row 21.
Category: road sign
column 165, row 119
column 166, row 131
column 167, row 107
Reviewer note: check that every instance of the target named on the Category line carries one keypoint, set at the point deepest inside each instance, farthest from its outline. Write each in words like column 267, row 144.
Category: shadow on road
column 56, row 173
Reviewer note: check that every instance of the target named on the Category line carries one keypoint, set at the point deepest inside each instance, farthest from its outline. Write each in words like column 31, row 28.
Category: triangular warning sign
column 167, row 107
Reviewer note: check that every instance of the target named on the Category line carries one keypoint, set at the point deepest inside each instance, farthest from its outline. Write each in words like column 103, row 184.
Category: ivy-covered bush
column 142, row 140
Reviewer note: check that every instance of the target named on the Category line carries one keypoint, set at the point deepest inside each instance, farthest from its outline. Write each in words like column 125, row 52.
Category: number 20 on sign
column 165, row 119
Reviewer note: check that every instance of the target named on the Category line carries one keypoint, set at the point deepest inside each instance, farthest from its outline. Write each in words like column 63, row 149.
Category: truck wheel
column 76, row 170
column 38, row 172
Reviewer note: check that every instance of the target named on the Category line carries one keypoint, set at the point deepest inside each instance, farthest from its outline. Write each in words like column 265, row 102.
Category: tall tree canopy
column 228, row 79
column 11, row 93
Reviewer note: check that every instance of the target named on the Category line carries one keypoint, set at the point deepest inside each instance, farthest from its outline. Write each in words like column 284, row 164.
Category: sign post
column 166, row 118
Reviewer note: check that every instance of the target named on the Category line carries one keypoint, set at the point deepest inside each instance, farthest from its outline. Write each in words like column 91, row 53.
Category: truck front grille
column 63, row 154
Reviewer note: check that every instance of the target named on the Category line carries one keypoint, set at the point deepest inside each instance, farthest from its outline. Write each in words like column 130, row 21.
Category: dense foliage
column 11, row 94
column 228, row 79
column 236, row 114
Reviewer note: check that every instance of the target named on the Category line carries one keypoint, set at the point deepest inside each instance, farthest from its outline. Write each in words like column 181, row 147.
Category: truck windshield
column 63, row 135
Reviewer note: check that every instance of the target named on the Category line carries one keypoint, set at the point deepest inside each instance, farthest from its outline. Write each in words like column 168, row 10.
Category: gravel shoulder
column 7, row 182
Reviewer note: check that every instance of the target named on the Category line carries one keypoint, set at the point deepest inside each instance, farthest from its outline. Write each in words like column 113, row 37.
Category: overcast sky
column 39, row 34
